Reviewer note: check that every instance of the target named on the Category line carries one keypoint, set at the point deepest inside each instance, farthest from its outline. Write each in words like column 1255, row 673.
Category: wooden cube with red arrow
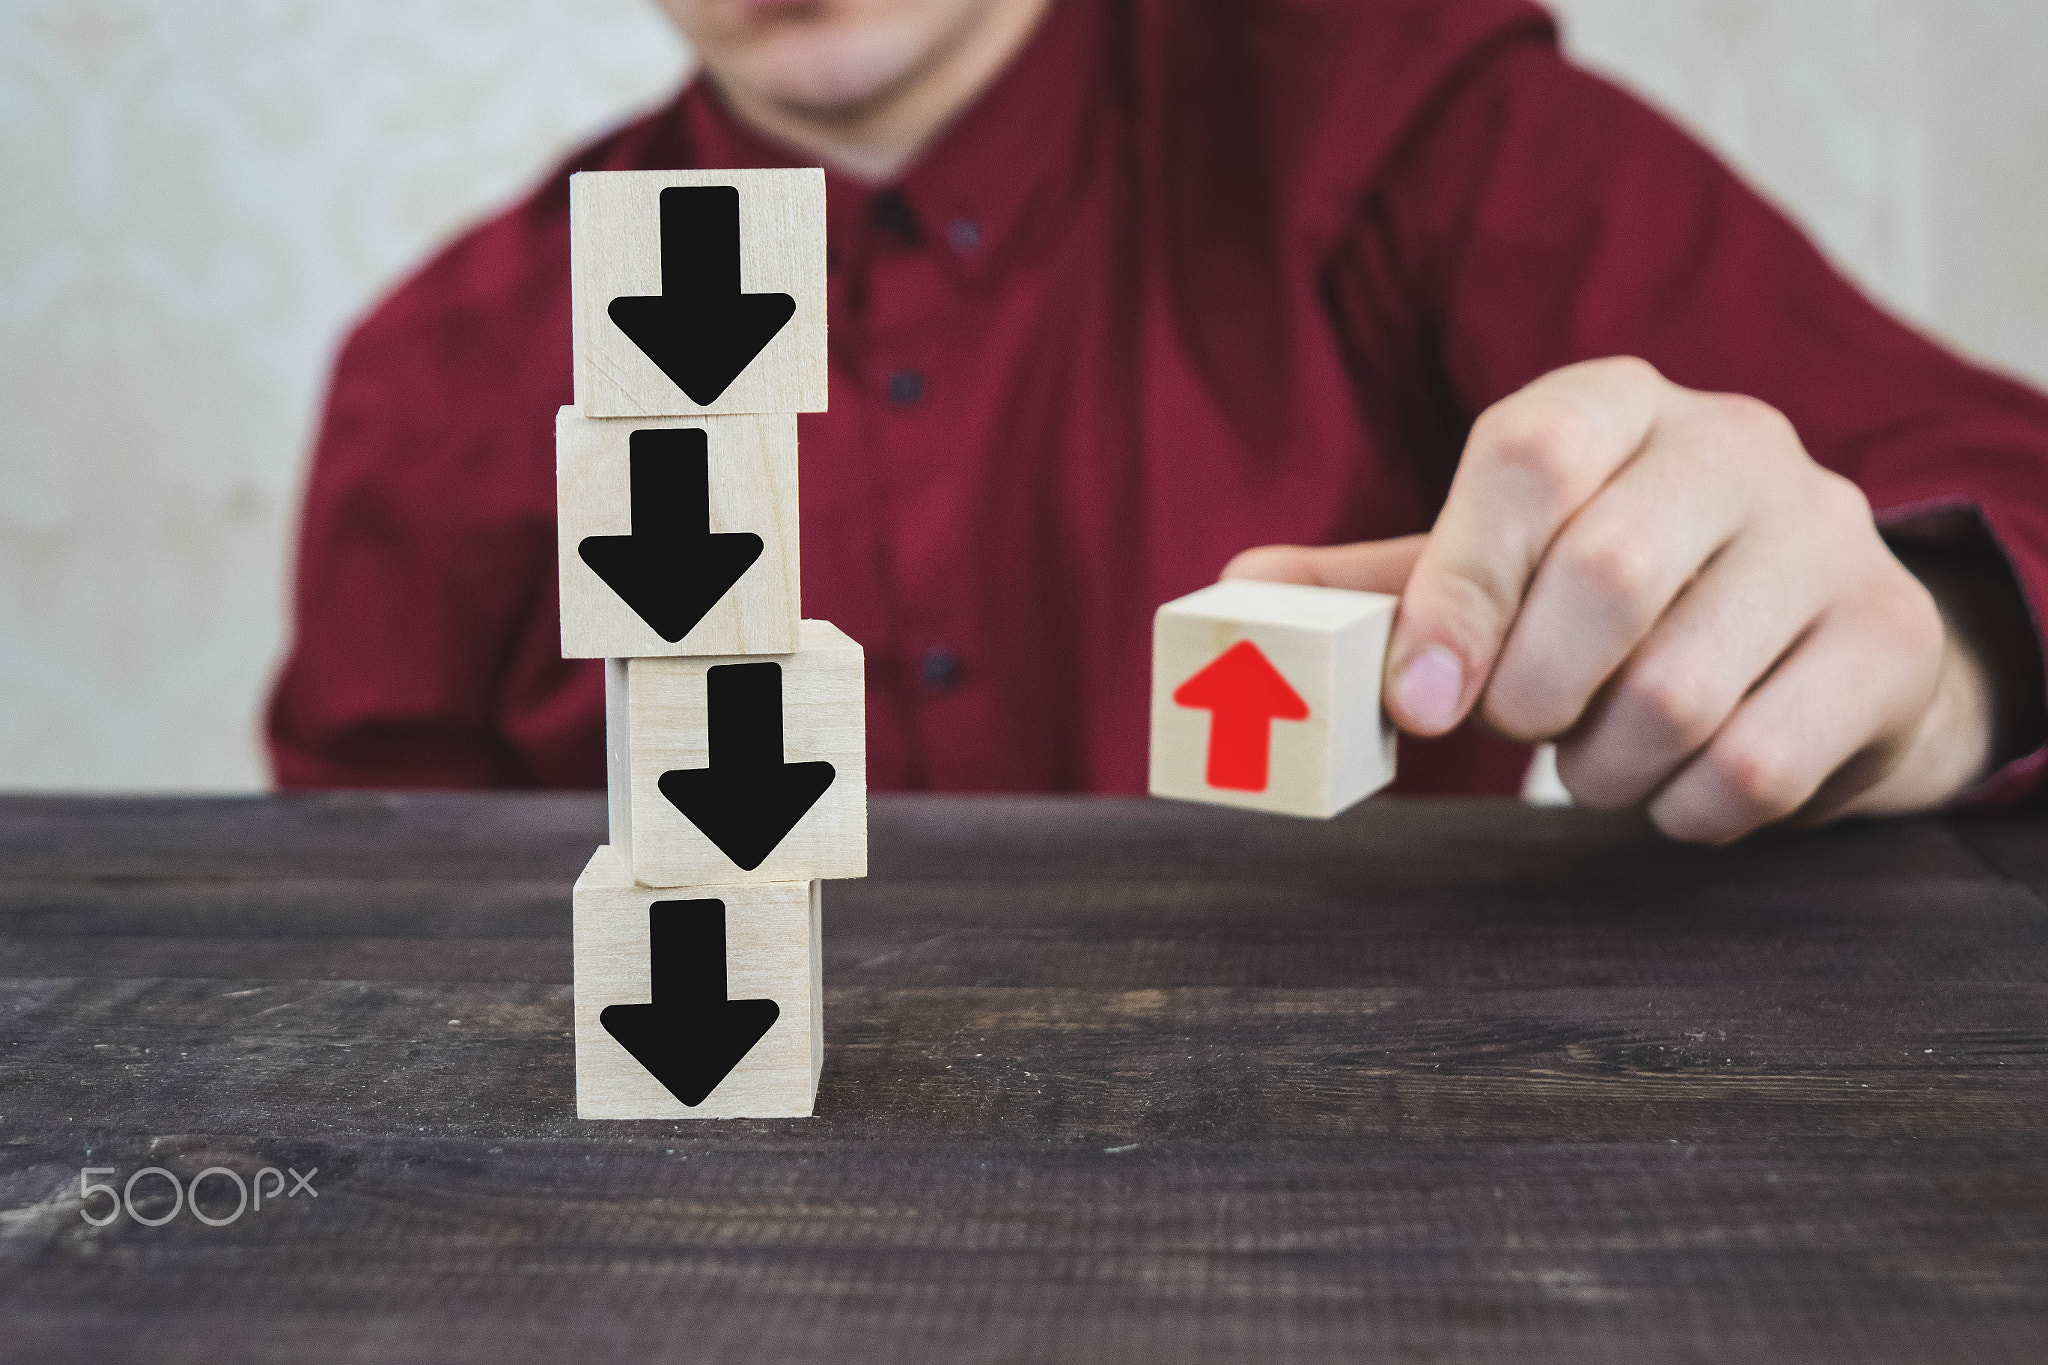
column 1267, row 696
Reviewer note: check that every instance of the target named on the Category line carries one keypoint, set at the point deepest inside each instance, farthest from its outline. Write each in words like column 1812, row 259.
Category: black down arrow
column 690, row 1037
column 748, row 799
column 700, row 329
column 671, row 569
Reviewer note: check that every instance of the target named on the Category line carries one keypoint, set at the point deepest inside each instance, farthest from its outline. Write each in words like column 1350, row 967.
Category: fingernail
column 1430, row 686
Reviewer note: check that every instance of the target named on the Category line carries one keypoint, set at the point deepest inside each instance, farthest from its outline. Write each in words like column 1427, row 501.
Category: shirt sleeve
column 413, row 584
column 1540, row 216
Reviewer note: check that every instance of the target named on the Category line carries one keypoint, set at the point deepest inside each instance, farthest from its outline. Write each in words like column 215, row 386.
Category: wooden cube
column 678, row 535
column 1267, row 696
column 697, row 291
column 697, row 1002
column 744, row 770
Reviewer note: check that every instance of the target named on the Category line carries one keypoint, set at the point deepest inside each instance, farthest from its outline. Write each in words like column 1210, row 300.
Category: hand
column 1663, row 582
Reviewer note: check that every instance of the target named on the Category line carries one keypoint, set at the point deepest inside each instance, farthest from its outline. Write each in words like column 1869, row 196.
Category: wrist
column 1987, row 707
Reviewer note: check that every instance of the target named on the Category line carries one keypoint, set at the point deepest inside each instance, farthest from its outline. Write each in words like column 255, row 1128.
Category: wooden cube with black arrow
column 735, row 730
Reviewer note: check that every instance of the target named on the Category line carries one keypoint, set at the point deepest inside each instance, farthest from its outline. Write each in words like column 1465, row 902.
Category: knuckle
column 1844, row 500
column 1761, row 779
column 1830, row 518
column 1754, row 421
column 1614, row 567
column 1680, row 705
column 1536, row 438
column 1629, row 369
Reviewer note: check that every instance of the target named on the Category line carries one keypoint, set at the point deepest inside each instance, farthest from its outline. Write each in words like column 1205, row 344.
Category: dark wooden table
column 1105, row 1081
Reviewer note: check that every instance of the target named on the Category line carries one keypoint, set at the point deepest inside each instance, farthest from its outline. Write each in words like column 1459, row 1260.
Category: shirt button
column 940, row 670
column 964, row 234
column 890, row 212
column 906, row 387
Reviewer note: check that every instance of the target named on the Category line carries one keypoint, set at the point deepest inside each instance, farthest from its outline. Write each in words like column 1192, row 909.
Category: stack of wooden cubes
column 737, row 761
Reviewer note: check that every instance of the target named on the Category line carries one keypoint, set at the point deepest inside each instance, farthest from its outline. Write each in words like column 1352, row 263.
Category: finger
column 1850, row 690
column 1532, row 461
column 1726, row 631
column 1368, row 566
column 1894, row 778
column 1609, row 576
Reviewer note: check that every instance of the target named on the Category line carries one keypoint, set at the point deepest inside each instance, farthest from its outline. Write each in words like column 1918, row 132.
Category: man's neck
column 878, row 139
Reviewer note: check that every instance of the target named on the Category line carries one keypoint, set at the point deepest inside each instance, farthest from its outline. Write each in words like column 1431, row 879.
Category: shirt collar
column 985, row 179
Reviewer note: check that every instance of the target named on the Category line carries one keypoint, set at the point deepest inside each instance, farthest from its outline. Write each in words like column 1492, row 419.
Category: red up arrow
column 1244, row 694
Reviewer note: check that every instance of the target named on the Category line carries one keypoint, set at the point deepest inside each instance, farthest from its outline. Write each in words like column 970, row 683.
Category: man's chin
column 826, row 73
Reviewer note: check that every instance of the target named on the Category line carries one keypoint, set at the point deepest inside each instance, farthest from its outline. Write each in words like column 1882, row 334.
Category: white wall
column 199, row 196
column 1907, row 135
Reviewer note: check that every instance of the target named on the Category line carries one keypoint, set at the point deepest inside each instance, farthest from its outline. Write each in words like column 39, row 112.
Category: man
column 1121, row 288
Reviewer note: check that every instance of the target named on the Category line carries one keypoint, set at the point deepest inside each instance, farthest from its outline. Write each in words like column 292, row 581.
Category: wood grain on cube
column 823, row 719
column 750, row 489
column 615, row 252
column 1266, row 696
column 772, row 952
column 618, row 762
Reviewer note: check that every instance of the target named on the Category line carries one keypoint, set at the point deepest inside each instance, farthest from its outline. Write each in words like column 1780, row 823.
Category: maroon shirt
column 1189, row 277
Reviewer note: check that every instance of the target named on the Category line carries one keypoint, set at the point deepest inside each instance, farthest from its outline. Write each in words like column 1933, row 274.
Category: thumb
column 1368, row 566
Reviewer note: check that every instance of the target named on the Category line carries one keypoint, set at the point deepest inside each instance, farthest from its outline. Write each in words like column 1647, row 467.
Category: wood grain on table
column 1105, row 1081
